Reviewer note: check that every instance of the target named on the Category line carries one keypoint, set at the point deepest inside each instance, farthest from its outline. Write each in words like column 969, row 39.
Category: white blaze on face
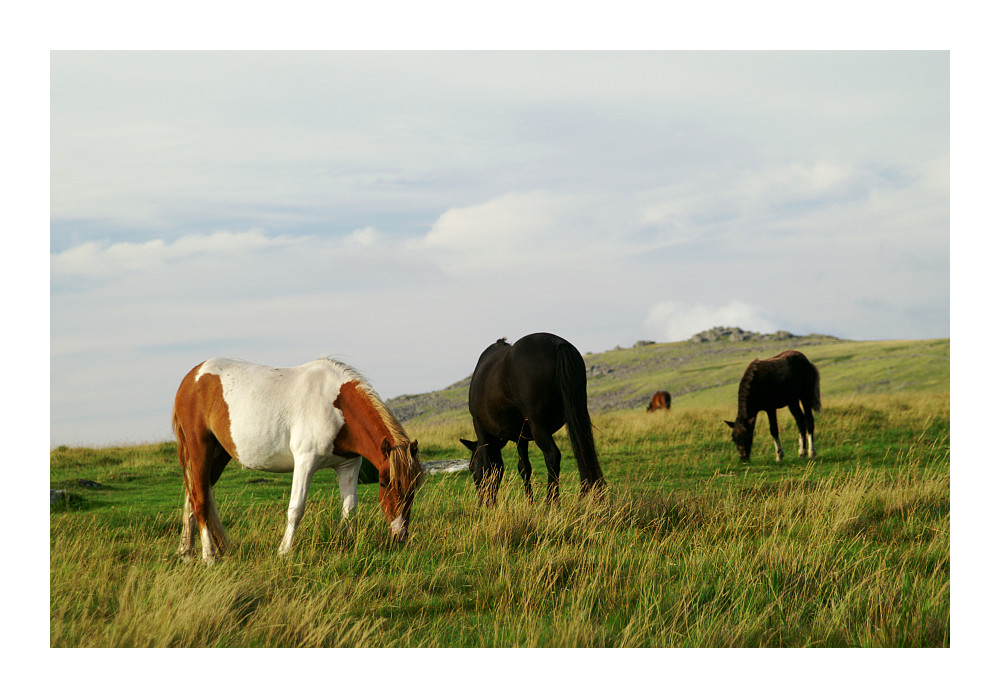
column 397, row 526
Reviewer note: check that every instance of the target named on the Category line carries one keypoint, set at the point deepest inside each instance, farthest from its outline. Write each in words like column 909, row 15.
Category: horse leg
column 524, row 467
column 301, row 478
column 552, row 457
column 189, row 530
column 189, row 526
column 347, row 478
column 200, row 459
column 801, row 424
column 810, row 428
column 772, row 421
column 214, row 540
column 220, row 458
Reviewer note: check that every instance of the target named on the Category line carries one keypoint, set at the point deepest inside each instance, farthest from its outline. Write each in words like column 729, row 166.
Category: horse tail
column 182, row 454
column 817, row 405
column 571, row 378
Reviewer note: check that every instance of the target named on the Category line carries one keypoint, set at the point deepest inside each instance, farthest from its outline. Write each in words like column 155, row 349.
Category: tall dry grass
column 855, row 560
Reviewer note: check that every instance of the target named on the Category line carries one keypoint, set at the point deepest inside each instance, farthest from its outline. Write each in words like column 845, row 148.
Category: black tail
column 817, row 405
column 571, row 377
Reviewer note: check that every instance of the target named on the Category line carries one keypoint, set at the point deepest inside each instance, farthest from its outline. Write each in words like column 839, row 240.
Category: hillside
column 705, row 370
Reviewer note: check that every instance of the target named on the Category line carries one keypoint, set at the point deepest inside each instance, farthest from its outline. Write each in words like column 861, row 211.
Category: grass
column 690, row 549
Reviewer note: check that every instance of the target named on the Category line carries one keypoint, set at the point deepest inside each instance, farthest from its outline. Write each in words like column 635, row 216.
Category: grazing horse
column 322, row 414
column 659, row 401
column 527, row 392
column 784, row 380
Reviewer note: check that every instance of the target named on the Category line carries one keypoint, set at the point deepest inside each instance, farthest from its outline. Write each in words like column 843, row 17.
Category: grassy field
column 691, row 548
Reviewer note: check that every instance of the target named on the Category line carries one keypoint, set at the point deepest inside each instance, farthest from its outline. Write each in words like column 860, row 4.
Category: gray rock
column 433, row 467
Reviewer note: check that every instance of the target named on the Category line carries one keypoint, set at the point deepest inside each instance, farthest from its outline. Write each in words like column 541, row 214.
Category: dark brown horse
column 785, row 380
column 526, row 392
column 659, row 401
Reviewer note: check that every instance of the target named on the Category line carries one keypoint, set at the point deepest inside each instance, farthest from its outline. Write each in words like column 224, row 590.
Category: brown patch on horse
column 200, row 404
column 378, row 432
column 204, row 445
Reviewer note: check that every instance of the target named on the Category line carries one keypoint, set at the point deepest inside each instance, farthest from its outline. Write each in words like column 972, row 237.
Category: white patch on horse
column 397, row 526
column 276, row 414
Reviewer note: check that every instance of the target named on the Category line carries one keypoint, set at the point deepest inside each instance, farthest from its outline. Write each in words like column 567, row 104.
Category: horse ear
column 413, row 448
column 471, row 445
column 728, row 423
column 386, row 447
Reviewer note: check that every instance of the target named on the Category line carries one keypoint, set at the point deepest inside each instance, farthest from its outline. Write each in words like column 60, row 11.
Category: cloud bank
column 604, row 197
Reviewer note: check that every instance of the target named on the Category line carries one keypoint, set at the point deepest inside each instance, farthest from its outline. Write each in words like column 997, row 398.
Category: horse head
column 399, row 476
column 485, row 472
column 743, row 435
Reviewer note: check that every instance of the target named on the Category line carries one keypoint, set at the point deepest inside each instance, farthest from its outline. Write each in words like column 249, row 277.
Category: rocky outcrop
column 736, row 334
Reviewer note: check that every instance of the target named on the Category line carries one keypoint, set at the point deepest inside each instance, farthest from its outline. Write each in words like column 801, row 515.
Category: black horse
column 527, row 392
column 784, row 380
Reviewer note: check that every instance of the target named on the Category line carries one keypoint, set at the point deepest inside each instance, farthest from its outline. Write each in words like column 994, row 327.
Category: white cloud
column 673, row 321
column 516, row 225
column 365, row 237
column 103, row 260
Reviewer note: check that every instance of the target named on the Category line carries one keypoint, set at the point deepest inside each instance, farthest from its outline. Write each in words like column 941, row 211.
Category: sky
column 402, row 210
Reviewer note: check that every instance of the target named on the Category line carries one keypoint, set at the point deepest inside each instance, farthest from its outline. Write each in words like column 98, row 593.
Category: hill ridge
column 704, row 369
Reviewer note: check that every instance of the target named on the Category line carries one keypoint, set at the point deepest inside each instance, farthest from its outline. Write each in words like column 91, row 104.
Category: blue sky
column 401, row 211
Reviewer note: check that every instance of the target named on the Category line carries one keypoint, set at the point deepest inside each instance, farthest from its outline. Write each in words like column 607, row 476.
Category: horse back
column 490, row 400
column 512, row 383
column 262, row 414
column 776, row 382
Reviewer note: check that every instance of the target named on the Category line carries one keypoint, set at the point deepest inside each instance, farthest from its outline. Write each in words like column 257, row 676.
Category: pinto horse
column 784, row 380
column 322, row 414
column 527, row 392
column 659, row 401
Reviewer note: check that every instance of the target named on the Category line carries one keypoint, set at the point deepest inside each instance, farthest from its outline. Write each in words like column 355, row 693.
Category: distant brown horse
column 784, row 380
column 659, row 401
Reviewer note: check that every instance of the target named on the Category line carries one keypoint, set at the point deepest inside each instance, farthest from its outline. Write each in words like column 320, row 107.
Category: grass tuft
column 690, row 547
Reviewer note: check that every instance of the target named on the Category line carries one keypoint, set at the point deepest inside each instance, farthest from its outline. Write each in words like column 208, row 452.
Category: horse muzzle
column 399, row 530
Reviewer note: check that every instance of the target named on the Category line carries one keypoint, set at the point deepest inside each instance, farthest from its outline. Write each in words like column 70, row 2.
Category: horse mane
column 403, row 468
column 743, row 395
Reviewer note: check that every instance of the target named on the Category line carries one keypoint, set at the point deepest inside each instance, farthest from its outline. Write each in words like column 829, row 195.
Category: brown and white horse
column 322, row 414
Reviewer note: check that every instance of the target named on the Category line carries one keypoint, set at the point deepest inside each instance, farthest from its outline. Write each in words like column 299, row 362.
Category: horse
column 527, row 392
column 659, row 401
column 787, row 379
column 322, row 414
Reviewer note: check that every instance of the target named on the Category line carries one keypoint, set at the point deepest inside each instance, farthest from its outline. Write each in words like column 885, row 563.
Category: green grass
column 707, row 374
column 691, row 548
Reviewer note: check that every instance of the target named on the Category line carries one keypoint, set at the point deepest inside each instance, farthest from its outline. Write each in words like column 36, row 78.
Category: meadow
column 690, row 548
